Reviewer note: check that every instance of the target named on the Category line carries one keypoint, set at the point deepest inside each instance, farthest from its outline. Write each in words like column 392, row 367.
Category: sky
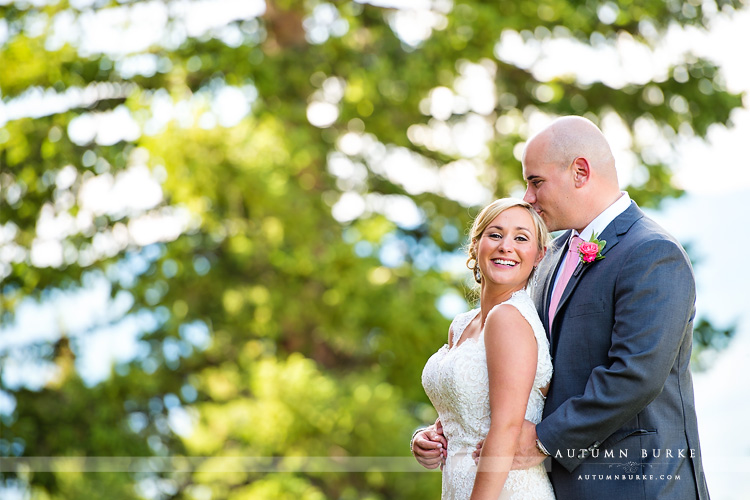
column 715, row 175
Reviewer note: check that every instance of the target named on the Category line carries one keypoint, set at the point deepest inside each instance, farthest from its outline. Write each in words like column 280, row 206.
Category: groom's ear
column 581, row 171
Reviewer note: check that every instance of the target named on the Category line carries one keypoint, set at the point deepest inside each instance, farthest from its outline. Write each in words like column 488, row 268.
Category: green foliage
column 319, row 325
column 708, row 340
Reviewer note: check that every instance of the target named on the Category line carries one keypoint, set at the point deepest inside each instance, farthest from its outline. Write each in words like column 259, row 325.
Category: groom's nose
column 528, row 197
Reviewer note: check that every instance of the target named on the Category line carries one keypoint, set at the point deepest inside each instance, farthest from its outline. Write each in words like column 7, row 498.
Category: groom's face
column 549, row 189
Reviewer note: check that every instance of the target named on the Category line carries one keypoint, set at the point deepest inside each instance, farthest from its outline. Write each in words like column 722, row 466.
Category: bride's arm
column 511, row 365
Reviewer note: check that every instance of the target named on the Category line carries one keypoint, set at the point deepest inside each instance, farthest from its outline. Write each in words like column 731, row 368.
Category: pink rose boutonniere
column 591, row 250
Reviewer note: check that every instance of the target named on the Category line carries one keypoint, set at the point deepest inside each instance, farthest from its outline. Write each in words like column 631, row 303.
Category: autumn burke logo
column 666, row 453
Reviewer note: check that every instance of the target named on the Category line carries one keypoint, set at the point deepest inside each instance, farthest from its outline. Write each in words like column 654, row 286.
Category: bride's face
column 508, row 250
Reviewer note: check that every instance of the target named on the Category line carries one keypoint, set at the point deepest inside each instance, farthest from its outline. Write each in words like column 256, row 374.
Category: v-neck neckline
column 461, row 340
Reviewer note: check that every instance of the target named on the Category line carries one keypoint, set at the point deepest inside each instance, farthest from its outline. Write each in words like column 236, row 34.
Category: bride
column 495, row 369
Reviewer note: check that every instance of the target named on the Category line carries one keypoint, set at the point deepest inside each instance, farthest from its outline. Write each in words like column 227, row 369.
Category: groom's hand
column 528, row 454
column 429, row 446
column 477, row 452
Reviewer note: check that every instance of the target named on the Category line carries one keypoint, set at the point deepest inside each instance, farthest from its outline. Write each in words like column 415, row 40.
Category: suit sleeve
column 654, row 304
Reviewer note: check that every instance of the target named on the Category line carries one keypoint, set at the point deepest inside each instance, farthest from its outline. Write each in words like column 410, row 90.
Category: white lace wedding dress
column 457, row 383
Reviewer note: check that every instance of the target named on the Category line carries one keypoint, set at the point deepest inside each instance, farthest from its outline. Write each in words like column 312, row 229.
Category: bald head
column 571, row 137
column 570, row 173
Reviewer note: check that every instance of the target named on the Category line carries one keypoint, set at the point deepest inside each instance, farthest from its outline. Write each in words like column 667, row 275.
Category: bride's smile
column 508, row 251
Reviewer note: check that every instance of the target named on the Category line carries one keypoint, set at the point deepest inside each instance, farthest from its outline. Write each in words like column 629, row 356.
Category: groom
column 619, row 419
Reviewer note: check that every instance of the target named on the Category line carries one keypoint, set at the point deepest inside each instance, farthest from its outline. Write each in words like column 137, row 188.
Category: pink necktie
column 571, row 262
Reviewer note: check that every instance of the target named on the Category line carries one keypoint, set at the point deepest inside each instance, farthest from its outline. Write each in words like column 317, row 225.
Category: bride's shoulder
column 505, row 316
column 507, row 327
column 516, row 312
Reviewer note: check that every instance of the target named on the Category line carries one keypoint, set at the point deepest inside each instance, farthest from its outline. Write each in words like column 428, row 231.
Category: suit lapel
column 611, row 234
column 555, row 253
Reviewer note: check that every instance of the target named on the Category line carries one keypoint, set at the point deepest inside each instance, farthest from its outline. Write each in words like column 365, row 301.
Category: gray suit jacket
column 619, row 418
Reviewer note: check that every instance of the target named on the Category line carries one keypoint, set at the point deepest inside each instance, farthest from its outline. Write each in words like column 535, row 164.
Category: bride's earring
column 534, row 280
column 477, row 274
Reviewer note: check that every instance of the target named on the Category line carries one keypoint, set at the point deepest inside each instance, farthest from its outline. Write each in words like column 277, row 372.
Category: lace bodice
column 456, row 381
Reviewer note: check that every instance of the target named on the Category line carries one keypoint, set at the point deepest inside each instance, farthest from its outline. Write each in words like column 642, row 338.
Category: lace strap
column 526, row 307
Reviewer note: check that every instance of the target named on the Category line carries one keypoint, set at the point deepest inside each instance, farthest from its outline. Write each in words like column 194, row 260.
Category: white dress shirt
column 597, row 226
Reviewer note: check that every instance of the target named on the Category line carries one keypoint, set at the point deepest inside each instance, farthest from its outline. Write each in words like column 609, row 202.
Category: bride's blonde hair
column 488, row 214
